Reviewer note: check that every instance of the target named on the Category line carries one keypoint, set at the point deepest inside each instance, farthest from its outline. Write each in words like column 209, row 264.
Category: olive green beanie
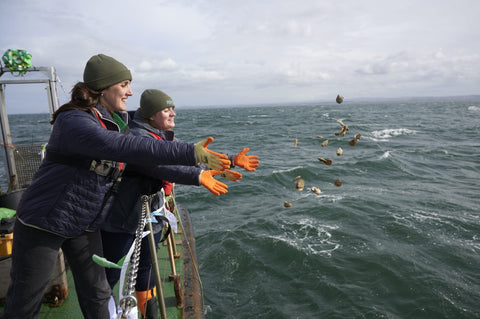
column 153, row 101
column 103, row 71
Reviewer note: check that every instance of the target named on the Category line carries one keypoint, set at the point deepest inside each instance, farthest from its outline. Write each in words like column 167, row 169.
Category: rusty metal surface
column 192, row 288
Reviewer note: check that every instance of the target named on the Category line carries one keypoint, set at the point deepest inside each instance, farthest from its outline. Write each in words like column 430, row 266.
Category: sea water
column 400, row 238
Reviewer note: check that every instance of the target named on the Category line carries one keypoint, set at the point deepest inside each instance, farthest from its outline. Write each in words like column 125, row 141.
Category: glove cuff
column 231, row 158
column 200, row 178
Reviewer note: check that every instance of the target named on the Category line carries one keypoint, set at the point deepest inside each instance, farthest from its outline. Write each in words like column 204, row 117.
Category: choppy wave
column 385, row 155
column 286, row 170
column 309, row 236
column 399, row 235
column 473, row 108
column 258, row 116
column 389, row 133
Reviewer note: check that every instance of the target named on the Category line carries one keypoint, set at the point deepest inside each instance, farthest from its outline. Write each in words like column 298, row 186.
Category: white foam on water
column 312, row 237
column 386, row 134
column 385, row 155
column 259, row 115
column 286, row 170
column 332, row 198
column 473, row 108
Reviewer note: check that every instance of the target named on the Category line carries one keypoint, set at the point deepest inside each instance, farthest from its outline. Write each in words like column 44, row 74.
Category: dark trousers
column 116, row 245
column 33, row 259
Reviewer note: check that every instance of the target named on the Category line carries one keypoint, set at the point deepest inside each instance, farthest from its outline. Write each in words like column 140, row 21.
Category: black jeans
column 33, row 259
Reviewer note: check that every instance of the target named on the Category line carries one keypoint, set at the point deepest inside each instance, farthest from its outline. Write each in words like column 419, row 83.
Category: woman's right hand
column 214, row 160
column 210, row 183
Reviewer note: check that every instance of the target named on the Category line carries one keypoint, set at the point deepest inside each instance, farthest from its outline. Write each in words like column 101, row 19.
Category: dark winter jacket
column 138, row 181
column 65, row 197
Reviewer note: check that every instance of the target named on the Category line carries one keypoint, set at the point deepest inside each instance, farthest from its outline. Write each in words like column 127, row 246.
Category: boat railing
column 22, row 161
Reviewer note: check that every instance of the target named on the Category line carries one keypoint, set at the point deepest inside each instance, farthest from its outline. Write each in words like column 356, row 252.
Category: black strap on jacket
column 106, row 168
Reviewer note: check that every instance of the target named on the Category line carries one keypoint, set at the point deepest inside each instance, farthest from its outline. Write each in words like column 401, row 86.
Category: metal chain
column 129, row 301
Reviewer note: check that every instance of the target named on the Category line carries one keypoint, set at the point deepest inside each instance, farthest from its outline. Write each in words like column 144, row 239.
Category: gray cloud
column 243, row 52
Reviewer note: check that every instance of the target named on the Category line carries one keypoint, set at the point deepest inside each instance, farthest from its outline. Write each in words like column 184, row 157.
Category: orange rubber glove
column 210, row 183
column 247, row 162
column 231, row 175
column 214, row 160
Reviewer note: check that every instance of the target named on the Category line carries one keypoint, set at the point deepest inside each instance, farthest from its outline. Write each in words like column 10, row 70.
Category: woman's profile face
column 115, row 97
column 164, row 119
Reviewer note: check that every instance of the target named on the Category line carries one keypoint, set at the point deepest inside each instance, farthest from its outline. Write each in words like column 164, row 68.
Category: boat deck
column 185, row 265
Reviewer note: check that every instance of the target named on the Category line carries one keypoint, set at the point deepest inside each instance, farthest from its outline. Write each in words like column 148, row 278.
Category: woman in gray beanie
column 71, row 191
column 154, row 119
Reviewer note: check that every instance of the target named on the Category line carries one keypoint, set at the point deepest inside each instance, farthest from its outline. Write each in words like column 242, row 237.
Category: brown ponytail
column 82, row 98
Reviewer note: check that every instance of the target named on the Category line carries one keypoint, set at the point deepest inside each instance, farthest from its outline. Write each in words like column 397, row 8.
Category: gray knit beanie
column 153, row 101
column 103, row 71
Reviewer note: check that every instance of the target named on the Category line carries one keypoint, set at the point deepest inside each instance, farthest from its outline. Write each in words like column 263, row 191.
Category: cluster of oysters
column 343, row 130
column 300, row 183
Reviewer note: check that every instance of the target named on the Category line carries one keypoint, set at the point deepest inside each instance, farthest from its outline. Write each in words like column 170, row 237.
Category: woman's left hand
column 249, row 162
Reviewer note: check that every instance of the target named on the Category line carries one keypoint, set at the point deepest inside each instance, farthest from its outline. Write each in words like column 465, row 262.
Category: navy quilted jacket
column 138, row 181
column 66, row 198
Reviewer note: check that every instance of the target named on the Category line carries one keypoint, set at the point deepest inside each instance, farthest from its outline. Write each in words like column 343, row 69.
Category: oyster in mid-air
column 339, row 99
column 324, row 143
column 343, row 128
column 355, row 140
column 338, row 183
column 316, row 190
column 287, row 203
column 325, row 160
column 339, row 151
column 300, row 185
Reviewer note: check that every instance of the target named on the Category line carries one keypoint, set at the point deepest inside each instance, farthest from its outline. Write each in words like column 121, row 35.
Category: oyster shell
column 325, row 160
column 316, row 190
column 300, row 185
column 339, row 151
column 339, row 99
column 343, row 128
column 287, row 203
column 295, row 144
column 337, row 183
column 296, row 179
column 324, row 143
column 355, row 140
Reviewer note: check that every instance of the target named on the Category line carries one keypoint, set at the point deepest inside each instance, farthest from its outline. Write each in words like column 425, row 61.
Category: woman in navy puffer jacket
column 154, row 119
column 70, row 193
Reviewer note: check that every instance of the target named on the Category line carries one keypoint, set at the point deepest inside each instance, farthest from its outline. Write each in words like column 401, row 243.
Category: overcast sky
column 235, row 52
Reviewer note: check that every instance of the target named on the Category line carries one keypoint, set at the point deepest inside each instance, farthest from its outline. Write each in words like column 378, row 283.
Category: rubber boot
column 151, row 309
column 142, row 298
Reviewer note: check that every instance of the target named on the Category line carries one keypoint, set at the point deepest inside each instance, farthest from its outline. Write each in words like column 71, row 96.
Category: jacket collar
column 105, row 115
column 138, row 121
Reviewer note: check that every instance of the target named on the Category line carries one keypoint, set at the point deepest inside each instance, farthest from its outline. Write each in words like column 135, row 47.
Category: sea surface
column 400, row 238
